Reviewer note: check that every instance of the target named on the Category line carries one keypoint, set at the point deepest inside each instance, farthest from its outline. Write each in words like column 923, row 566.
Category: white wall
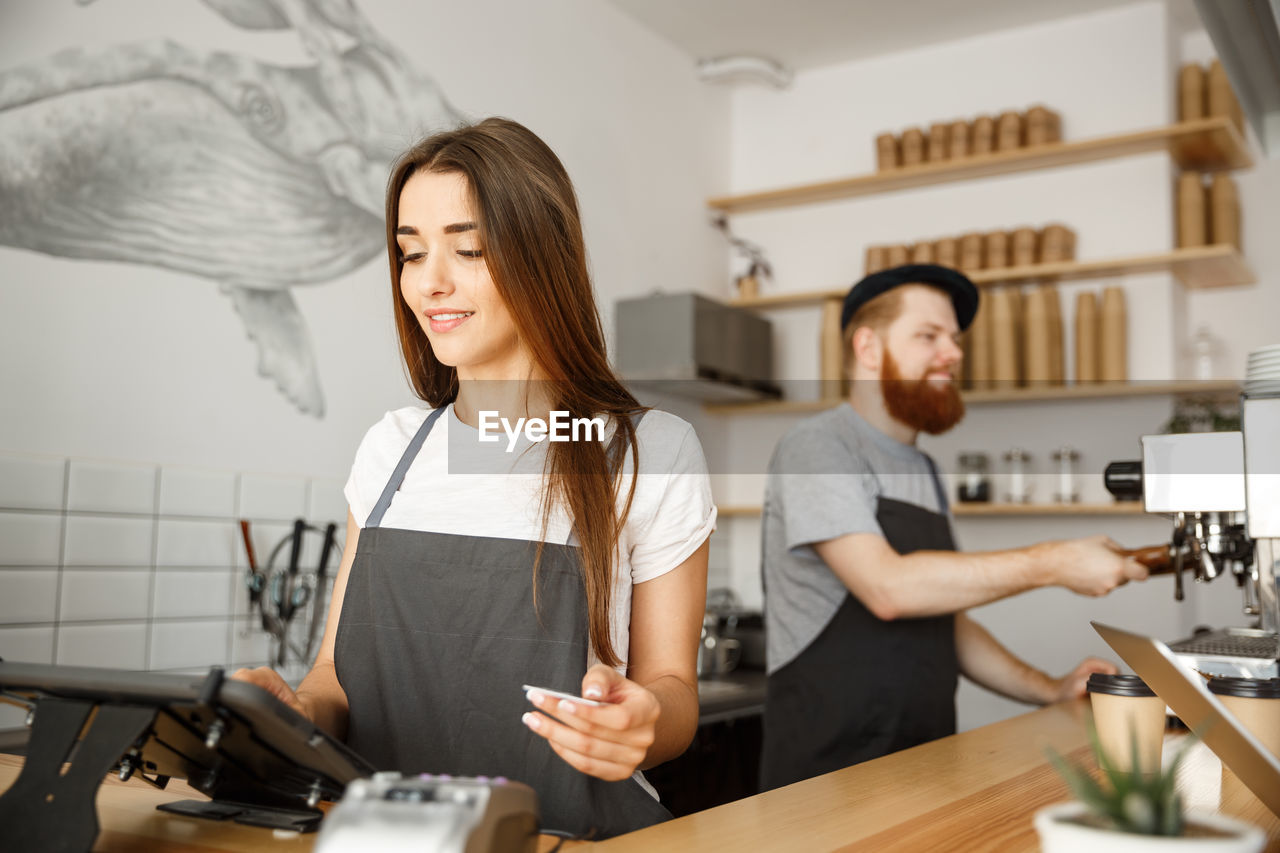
column 142, row 376
column 1106, row 73
column 125, row 362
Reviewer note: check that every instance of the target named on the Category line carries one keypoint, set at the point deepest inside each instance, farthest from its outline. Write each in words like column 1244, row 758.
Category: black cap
column 964, row 296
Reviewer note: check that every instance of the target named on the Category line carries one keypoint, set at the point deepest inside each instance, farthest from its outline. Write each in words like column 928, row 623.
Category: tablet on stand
column 259, row 761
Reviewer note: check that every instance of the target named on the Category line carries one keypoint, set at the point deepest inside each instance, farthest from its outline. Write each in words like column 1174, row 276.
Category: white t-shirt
column 671, row 514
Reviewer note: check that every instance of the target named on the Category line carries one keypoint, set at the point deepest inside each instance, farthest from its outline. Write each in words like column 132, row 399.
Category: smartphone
column 556, row 694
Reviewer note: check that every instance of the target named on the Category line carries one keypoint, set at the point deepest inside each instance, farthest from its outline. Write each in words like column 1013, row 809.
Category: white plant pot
column 1065, row 836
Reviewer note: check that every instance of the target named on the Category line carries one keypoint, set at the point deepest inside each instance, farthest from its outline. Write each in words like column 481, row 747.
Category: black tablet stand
column 52, row 808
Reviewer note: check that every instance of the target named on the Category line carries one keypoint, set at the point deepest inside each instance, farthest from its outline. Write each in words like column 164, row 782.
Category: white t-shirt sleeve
column 673, row 512
column 376, row 457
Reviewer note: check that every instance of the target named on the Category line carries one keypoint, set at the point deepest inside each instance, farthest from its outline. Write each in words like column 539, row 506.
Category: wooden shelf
column 960, row 510
column 1006, row 509
column 1197, row 268
column 1216, row 387
column 1202, row 145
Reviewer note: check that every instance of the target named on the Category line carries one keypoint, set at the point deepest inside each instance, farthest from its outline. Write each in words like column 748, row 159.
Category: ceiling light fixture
column 744, row 69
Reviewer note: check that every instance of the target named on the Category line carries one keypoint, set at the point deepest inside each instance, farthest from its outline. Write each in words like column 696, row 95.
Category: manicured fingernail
column 536, row 698
column 531, row 721
column 567, row 706
column 593, row 692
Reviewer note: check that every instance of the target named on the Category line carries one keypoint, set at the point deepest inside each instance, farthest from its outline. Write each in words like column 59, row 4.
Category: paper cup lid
column 1246, row 688
column 1118, row 685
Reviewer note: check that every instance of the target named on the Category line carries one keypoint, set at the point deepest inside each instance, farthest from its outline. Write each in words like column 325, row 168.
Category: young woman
column 479, row 559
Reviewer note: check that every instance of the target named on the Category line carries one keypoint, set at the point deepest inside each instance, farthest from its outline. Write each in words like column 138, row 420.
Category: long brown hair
column 530, row 233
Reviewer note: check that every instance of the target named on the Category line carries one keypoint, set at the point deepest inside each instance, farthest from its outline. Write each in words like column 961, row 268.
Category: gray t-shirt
column 824, row 479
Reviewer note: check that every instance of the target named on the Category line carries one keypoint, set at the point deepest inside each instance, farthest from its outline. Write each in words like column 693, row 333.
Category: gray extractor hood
column 692, row 346
column 1246, row 36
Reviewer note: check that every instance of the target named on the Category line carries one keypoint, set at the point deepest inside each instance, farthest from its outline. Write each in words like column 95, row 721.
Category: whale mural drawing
column 257, row 176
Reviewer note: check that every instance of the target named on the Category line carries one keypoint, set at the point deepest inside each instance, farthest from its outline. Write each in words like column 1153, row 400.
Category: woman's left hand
column 609, row 741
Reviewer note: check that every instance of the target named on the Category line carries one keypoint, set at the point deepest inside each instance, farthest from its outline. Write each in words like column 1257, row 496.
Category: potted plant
column 1126, row 811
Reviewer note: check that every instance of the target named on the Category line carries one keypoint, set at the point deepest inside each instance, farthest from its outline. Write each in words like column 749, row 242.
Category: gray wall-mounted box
column 688, row 344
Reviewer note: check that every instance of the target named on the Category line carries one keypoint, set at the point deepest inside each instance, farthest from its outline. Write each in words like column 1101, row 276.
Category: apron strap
column 402, row 467
column 943, row 506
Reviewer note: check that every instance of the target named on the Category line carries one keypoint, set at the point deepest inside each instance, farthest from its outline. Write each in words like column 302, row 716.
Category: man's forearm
column 987, row 663
column 931, row 583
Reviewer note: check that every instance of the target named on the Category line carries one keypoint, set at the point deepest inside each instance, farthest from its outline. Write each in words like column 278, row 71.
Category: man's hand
column 1091, row 566
column 1073, row 684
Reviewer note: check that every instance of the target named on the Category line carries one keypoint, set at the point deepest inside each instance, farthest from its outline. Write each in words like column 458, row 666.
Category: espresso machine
column 1222, row 491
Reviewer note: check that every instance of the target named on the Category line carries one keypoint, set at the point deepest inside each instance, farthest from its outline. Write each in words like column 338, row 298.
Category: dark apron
column 865, row 687
column 437, row 634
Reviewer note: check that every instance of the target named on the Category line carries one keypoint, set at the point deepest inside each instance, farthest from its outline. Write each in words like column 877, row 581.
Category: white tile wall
column 327, row 503
column 29, row 645
column 175, row 645
column 28, row 595
column 250, row 645
column 263, row 496
column 111, row 487
column 202, row 544
column 119, row 646
column 188, row 491
column 185, row 592
column 31, row 482
column 136, row 566
column 29, row 540
column 107, row 541
column 92, row 594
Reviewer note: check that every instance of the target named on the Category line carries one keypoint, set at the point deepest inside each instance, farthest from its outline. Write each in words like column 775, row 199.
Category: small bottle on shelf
column 1068, row 492
column 975, row 479
column 1018, row 483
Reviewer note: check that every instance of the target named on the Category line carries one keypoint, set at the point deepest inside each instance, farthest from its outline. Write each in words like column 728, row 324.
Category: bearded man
column 865, row 595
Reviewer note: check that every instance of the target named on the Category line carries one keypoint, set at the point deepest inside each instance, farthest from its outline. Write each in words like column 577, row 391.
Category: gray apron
column 866, row 687
column 437, row 634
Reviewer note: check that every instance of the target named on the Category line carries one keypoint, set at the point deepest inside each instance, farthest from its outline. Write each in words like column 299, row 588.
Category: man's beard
column 920, row 404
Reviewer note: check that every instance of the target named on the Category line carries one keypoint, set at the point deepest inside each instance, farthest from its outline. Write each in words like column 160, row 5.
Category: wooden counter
column 973, row 791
